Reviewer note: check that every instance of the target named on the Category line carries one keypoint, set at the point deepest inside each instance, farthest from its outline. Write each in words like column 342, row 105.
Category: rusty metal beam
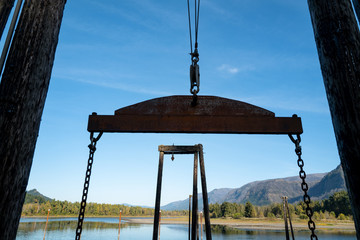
column 194, row 124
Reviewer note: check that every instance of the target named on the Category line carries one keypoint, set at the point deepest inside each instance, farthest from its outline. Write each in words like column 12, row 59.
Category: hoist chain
column 92, row 149
column 304, row 185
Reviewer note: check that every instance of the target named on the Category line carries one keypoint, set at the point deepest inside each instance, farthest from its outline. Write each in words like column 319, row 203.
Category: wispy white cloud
column 147, row 14
column 123, row 87
column 228, row 69
column 234, row 70
column 107, row 80
column 215, row 7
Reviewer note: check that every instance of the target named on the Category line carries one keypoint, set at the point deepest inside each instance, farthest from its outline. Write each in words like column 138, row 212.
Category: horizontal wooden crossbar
column 178, row 149
column 195, row 124
column 211, row 114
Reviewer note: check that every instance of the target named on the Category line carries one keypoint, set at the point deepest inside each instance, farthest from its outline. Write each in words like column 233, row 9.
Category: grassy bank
column 263, row 223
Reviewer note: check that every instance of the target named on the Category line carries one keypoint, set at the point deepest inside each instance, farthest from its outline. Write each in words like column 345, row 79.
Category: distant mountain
column 269, row 191
column 332, row 182
column 130, row 205
column 33, row 196
column 321, row 185
column 215, row 196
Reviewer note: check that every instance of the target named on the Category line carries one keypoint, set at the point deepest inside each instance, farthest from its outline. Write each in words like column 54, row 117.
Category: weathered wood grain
column 338, row 44
column 23, row 91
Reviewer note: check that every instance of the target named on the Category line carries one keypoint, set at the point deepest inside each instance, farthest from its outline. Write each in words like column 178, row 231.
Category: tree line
column 65, row 208
column 337, row 206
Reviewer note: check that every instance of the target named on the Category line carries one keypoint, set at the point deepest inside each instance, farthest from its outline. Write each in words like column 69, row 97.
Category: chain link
column 304, row 185
column 92, row 149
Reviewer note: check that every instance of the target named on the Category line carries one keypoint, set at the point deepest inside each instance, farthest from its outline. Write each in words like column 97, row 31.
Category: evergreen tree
column 249, row 210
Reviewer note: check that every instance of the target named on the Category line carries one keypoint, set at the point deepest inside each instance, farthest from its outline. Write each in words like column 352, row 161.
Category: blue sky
column 116, row 53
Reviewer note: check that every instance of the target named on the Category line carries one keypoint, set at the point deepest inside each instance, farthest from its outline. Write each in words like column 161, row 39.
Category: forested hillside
column 337, row 206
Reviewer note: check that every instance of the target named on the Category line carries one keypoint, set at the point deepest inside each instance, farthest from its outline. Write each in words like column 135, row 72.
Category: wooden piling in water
column 158, row 196
column 195, row 199
column 285, row 219
column 159, row 222
column 119, row 225
column 205, row 195
column 189, row 214
column 47, row 219
column 201, row 229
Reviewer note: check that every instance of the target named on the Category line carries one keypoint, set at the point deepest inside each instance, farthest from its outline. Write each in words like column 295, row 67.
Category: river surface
column 107, row 229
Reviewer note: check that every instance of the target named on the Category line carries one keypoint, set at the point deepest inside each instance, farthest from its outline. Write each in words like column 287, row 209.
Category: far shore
column 344, row 226
column 261, row 223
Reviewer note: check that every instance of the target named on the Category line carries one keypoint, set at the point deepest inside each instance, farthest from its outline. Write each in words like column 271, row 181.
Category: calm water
column 107, row 228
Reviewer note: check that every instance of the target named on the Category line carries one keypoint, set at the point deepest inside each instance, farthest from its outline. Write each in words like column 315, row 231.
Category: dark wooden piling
column 290, row 223
column 205, row 194
column 285, row 219
column 23, row 91
column 158, row 196
column 337, row 39
column 189, row 215
column 119, row 225
column 47, row 220
column 195, row 199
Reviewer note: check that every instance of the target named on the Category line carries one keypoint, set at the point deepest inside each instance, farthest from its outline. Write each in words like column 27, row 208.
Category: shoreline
column 328, row 226
column 261, row 224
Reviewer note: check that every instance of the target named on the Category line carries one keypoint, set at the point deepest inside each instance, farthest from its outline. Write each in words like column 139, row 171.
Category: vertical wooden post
column 205, row 194
column 285, row 219
column 195, row 199
column 197, row 226
column 338, row 43
column 23, row 91
column 158, row 196
column 201, row 228
column 47, row 219
column 159, row 223
column 5, row 9
column 189, row 215
column 119, row 225
column 289, row 216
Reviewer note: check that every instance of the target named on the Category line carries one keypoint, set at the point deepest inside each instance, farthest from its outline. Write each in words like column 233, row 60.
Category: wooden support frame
column 197, row 150
column 176, row 114
column 212, row 114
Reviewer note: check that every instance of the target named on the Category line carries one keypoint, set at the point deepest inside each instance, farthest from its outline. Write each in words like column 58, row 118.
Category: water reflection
column 221, row 230
column 65, row 225
column 107, row 228
column 226, row 230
